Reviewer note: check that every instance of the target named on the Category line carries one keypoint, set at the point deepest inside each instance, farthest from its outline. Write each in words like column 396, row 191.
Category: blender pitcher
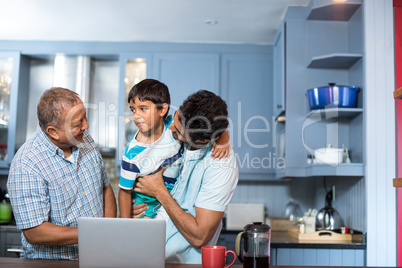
column 253, row 245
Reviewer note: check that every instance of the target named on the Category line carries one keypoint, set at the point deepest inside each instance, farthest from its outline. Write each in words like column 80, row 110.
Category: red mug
column 215, row 256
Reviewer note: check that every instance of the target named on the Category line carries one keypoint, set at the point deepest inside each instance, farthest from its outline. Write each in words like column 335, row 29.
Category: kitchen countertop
column 281, row 239
column 25, row 263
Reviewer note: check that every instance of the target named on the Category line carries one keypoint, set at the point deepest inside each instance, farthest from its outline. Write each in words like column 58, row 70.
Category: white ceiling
column 238, row 21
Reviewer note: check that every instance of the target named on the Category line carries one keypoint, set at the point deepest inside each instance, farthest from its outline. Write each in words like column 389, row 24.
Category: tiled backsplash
column 308, row 192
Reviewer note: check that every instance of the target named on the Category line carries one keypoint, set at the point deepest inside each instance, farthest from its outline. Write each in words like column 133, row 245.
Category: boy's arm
column 109, row 202
column 125, row 203
column 220, row 149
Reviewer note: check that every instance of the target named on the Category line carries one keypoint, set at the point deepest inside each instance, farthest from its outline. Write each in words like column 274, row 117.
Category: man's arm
column 197, row 230
column 109, row 202
column 51, row 235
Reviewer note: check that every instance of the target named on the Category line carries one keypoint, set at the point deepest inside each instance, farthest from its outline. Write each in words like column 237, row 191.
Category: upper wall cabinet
column 279, row 71
column 247, row 89
column 186, row 73
column 13, row 73
column 323, row 45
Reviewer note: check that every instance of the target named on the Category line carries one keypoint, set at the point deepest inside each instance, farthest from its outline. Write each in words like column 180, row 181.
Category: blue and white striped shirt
column 45, row 187
column 143, row 159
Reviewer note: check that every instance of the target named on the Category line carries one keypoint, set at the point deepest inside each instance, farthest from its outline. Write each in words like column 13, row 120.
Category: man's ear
column 164, row 109
column 52, row 132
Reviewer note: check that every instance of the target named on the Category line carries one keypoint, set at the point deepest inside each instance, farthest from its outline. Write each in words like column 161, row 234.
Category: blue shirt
column 45, row 187
column 206, row 183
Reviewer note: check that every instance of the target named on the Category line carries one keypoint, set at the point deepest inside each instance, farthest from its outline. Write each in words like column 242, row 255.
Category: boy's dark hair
column 151, row 90
column 204, row 116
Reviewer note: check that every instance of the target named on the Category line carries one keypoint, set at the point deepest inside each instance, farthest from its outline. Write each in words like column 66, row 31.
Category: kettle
column 5, row 207
column 328, row 218
column 253, row 245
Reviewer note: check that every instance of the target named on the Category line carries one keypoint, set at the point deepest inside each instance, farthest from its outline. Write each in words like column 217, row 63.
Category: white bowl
column 328, row 156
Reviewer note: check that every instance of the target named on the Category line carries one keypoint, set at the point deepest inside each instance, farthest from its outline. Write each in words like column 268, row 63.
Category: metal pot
column 332, row 96
column 328, row 218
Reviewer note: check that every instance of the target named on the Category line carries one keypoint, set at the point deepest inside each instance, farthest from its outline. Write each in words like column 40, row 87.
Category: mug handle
column 234, row 254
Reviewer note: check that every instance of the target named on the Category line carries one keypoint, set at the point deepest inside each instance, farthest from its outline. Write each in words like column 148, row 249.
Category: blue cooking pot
column 332, row 96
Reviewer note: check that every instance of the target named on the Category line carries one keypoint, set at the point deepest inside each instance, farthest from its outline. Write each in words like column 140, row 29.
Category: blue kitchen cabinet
column 279, row 71
column 320, row 257
column 247, row 88
column 186, row 73
column 14, row 75
column 10, row 241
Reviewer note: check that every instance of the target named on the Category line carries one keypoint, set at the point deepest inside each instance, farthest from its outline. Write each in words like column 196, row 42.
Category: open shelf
column 329, row 113
column 314, row 170
column 334, row 11
column 397, row 182
column 398, row 93
column 335, row 61
column 352, row 169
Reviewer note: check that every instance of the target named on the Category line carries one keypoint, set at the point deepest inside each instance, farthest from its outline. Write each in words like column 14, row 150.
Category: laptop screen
column 115, row 242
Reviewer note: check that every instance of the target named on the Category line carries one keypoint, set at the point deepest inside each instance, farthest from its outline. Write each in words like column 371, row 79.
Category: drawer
column 13, row 251
column 12, row 237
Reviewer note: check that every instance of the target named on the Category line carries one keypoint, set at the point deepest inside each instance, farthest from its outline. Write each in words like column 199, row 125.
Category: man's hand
column 137, row 211
column 151, row 185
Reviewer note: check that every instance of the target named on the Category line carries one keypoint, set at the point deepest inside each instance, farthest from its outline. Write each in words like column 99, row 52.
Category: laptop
column 116, row 242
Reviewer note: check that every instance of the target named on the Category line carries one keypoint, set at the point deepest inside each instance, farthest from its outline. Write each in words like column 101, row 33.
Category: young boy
column 152, row 147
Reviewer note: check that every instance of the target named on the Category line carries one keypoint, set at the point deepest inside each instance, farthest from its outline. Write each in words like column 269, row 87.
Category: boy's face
column 146, row 116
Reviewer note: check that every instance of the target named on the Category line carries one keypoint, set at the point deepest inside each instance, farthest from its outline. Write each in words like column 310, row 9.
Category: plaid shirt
column 45, row 187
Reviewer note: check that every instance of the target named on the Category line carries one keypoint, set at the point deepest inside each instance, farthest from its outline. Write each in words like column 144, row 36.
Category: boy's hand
column 137, row 211
column 220, row 149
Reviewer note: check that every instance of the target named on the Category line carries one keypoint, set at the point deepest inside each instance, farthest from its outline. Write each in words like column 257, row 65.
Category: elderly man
column 205, row 185
column 57, row 176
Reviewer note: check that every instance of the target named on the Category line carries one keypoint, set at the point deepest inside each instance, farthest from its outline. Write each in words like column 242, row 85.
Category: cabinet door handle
column 14, row 250
column 279, row 106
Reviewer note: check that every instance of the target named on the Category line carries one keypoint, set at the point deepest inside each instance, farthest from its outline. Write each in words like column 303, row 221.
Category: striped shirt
column 46, row 187
column 143, row 159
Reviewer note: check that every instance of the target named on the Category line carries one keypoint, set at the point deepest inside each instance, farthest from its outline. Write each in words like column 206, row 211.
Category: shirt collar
column 49, row 144
column 201, row 153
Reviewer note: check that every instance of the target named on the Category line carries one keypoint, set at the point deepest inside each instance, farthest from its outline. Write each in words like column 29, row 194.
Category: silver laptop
column 115, row 242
